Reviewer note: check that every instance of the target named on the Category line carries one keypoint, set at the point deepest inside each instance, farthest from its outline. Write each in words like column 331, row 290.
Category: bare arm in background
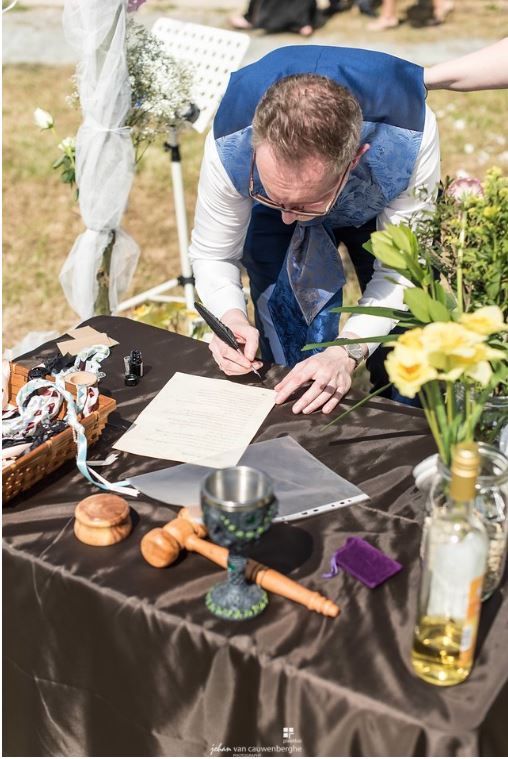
column 485, row 69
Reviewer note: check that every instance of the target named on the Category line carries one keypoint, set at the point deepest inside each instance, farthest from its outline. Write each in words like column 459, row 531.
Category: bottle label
column 468, row 638
column 453, row 569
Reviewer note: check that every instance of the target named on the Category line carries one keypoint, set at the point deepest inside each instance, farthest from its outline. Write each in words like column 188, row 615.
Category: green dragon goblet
column 238, row 506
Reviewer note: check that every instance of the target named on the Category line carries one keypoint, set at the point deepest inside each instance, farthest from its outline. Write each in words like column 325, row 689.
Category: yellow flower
column 480, row 372
column 449, row 342
column 408, row 369
column 485, row 321
column 411, row 339
column 476, row 366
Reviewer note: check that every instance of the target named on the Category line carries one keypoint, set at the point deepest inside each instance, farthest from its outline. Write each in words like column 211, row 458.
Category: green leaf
column 351, row 341
column 500, row 344
column 440, row 293
column 390, row 313
column 387, row 254
column 59, row 162
column 417, row 274
column 403, row 238
column 500, row 374
column 360, row 403
column 438, row 312
column 493, row 286
column 417, row 302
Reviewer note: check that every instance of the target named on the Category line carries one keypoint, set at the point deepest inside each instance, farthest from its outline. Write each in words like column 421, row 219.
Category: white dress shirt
column 222, row 217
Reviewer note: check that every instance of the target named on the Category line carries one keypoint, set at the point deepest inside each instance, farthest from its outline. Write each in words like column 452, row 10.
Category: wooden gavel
column 162, row 546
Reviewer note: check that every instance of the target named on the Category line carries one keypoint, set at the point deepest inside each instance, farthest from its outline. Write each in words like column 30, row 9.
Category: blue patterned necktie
column 311, row 277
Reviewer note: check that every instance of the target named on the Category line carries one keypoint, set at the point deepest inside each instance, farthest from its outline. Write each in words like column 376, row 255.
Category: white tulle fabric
column 104, row 151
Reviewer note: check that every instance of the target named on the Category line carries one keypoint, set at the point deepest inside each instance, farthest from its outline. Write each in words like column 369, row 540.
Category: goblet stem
column 236, row 598
column 236, row 569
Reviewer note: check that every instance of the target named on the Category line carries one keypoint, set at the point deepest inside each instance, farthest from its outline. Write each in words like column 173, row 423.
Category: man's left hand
column 330, row 372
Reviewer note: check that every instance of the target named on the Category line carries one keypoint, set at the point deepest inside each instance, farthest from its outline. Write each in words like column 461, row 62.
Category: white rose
column 43, row 119
column 68, row 143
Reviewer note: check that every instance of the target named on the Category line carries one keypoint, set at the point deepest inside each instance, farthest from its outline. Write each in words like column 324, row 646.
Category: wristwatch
column 355, row 352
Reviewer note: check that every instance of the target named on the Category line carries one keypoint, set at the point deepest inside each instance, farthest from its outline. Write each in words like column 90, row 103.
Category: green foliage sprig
column 468, row 233
column 453, row 351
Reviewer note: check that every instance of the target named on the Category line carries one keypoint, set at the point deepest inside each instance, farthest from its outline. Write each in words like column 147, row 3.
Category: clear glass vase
column 490, row 504
column 493, row 425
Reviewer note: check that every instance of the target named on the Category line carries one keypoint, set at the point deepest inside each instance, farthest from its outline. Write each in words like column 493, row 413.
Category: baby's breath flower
column 160, row 85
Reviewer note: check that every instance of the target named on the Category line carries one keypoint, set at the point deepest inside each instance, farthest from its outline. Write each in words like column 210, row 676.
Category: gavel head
column 193, row 514
column 159, row 548
column 162, row 546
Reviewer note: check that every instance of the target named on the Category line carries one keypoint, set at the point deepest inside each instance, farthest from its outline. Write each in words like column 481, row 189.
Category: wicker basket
column 48, row 456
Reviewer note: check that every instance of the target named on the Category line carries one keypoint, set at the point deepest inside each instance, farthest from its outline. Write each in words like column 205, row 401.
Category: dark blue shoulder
column 390, row 90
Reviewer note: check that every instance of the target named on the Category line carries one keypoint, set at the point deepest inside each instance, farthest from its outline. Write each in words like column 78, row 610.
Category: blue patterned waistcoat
column 391, row 94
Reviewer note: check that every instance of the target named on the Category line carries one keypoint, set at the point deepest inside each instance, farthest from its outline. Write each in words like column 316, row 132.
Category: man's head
column 306, row 135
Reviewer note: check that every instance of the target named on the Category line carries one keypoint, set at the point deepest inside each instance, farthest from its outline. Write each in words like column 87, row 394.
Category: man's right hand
column 230, row 361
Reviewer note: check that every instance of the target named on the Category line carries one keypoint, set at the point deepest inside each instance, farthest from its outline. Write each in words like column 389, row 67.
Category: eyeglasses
column 276, row 207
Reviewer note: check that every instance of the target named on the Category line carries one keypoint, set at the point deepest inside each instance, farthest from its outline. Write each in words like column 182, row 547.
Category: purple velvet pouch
column 363, row 561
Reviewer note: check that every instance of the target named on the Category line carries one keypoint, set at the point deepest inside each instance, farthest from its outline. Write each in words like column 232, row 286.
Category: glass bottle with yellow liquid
column 454, row 565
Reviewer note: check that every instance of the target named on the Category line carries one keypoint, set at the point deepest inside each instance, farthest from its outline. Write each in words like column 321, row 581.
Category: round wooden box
column 102, row 520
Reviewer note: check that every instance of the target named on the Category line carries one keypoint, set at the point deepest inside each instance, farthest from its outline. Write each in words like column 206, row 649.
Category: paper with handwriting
column 199, row 420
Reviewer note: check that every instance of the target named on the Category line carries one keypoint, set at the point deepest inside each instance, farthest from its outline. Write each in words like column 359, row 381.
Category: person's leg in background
column 339, row 6
column 244, row 21
column 387, row 18
column 442, row 9
column 299, row 16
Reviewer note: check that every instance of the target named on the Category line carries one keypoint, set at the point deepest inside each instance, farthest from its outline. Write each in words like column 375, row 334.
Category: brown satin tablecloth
column 104, row 655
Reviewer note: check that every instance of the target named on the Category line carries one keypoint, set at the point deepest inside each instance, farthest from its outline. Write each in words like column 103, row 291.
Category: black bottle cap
column 130, row 380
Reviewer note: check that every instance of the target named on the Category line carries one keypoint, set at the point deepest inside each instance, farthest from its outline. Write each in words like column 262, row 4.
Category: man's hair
column 307, row 115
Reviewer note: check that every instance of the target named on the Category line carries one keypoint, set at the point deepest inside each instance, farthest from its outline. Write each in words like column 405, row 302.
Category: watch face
column 356, row 352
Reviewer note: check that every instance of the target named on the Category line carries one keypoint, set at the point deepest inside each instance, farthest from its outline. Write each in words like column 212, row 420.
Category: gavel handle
column 266, row 578
column 209, row 550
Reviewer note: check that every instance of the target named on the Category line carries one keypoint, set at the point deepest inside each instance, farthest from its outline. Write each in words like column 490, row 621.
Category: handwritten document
column 199, row 421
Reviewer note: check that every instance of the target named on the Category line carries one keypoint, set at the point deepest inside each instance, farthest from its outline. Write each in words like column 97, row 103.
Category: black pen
column 221, row 330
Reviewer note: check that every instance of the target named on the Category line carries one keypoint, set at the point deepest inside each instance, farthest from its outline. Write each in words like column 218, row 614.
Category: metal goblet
column 238, row 506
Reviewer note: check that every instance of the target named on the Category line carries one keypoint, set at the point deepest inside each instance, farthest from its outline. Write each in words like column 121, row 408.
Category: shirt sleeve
column 386, row 288
column 220, row 226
